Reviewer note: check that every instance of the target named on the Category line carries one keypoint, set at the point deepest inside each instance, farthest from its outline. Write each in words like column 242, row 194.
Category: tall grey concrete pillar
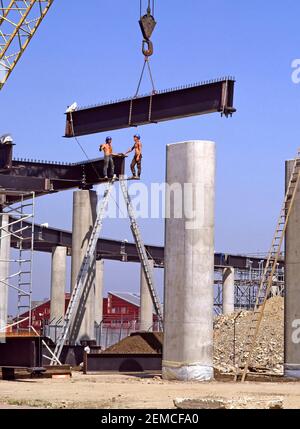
column 4, row 272
column 58, row 284
column 146, row 304
column 292, row 287
column 228, row 291
column 99, row 291
column 84, row 216
column 189, row 262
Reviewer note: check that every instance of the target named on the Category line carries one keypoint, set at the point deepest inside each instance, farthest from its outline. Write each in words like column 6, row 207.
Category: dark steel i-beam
column 42, row 177
column 210, row 97
column 45, row 239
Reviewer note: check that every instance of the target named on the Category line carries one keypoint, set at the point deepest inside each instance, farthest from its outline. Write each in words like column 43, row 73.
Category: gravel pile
column 230, row 333
column 144, row 342
column 268, row 352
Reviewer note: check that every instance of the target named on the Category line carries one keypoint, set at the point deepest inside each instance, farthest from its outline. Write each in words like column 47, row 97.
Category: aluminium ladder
column 82, row 279
column 269, row 271
column 141, row 251
column 25, row 259
column 20, row 227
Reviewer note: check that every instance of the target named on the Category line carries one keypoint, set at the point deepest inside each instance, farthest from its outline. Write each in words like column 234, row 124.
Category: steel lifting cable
column 79, row 144
column 153, row 92
column 147, row 54
column 146, row 61
column 136, row 93
column 141, row 5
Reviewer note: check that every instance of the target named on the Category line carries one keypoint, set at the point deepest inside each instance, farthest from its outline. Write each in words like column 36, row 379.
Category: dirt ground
column 132, row 391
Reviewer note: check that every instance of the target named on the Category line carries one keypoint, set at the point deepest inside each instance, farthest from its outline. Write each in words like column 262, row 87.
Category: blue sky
column 90, row 52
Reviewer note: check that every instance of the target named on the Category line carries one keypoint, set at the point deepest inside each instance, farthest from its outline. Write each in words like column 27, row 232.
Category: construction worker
column 137, row 159
column 108, row 157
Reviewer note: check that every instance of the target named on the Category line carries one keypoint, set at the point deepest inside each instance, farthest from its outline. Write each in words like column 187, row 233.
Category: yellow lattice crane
column 19, row 20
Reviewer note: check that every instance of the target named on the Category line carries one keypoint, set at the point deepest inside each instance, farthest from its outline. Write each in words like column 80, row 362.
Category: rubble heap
column 268, row 352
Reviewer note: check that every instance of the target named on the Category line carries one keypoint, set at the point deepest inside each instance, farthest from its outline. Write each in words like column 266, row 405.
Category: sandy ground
column 132, row 391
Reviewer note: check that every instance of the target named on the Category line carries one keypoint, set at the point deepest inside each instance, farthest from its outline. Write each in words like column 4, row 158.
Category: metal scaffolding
column 247, row 282
column 20, row 227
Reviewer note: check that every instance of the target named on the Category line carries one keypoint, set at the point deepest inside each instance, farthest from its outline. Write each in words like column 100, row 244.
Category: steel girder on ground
column 200, row 99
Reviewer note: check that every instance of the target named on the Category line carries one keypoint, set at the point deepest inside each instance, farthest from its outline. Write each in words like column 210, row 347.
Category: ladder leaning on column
column 269, row 271
column 82, row 279
column 141, row 251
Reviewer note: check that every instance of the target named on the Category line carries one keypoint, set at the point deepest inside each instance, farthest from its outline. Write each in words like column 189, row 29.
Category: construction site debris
column 230, row 335
column 230, row 404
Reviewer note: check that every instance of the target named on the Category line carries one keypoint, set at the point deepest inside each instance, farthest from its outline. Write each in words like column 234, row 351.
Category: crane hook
column 147, row 24
column 149, row 50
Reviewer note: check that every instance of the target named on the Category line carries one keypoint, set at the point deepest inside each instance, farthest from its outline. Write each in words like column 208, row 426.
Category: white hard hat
column 6, row 138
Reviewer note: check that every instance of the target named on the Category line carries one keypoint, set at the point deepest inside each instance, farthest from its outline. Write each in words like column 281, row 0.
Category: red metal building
column 119, row 308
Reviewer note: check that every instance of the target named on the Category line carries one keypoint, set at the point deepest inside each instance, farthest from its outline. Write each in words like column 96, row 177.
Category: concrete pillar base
column 84, row 216
column 228, row 291
column 99, row 291
column 58, row 284
column 146, row 307
column 189, row 262
column 292, row 371
column 4, row 273
column 292, row 286
column 192, row 372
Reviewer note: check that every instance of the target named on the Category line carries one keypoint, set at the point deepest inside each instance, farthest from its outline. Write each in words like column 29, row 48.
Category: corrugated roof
column 133, row 298
column 36, row 304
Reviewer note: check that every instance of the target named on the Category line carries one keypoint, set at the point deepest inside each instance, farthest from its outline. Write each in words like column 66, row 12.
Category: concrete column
column 292, row 287
column 84, row 216
column 4, row 272
column 99, row 291
column 58, row 284
column 228, row 291
column 146, row 305
column 189, row 262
